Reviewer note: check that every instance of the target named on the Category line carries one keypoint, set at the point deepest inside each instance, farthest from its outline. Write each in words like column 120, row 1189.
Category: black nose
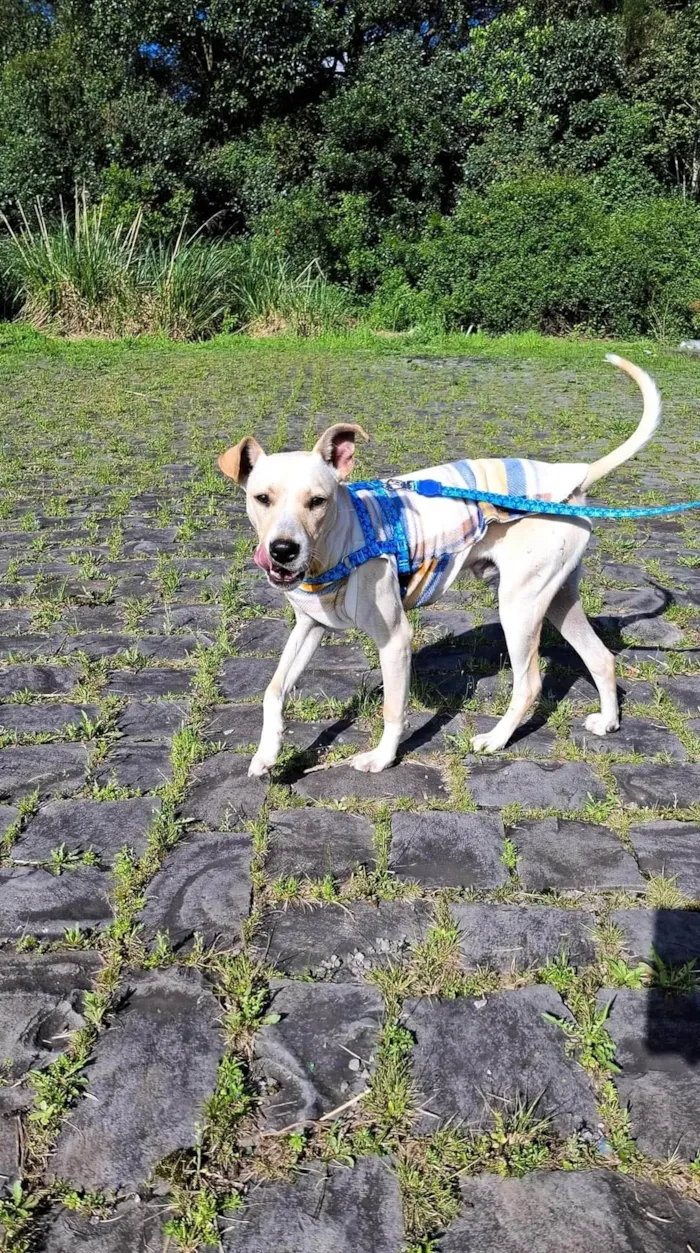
column 284, row 550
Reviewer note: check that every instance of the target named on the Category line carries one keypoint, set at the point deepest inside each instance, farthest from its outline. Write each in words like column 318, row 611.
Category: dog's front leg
column 391, row 632
column 297, row 652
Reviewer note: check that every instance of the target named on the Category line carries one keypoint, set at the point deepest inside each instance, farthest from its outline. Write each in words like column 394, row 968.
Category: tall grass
column 75, row 277
column 272, row 297
column 82, row 275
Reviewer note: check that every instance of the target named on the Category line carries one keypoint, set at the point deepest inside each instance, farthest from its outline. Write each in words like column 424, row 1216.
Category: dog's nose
column 284, row 550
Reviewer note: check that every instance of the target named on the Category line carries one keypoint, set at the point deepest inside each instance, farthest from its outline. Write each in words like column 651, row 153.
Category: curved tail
column 651, row 416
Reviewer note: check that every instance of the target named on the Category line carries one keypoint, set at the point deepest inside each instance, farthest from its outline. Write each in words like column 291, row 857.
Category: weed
column 589, row 1037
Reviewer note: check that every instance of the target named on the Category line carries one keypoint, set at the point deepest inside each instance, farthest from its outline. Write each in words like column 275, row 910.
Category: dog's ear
column 337, row 446
column 236, row 463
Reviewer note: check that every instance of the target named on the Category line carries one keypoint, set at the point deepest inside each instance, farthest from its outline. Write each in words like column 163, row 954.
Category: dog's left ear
column 337, row 446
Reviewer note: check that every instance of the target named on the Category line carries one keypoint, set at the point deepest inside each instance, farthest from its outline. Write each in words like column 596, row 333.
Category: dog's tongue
column 261, row 558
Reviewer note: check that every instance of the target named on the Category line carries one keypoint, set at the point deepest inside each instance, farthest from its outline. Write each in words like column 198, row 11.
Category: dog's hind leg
column 567, row 615
column 521, row 619
column 534, row 558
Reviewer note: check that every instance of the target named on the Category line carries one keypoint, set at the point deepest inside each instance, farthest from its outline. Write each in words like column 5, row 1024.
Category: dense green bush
column 511, row 258
column 542, row 252
column 546, row 252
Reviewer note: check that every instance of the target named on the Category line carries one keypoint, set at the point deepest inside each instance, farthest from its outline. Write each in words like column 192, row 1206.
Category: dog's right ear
column 236, row 463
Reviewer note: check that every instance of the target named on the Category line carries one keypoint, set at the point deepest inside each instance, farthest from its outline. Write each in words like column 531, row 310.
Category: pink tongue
column 261, row 558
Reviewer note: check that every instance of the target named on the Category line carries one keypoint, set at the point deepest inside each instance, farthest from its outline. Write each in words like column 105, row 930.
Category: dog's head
column 291, row 498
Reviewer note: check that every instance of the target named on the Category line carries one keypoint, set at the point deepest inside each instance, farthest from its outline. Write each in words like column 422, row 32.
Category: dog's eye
column 316, row 502
column 263, row 498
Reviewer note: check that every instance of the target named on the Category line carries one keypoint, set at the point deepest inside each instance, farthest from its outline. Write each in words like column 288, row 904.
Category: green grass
column 91, row 429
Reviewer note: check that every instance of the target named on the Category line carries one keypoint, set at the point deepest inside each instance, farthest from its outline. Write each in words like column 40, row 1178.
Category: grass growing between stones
column 110, row 504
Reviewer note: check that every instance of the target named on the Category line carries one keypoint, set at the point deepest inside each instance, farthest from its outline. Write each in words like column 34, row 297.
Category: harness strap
column 396, row 545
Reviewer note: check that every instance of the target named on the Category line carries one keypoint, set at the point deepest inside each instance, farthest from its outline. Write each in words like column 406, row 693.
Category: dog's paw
column 488, row 743
column 259, row 767
column 369, row 763
column 598, row 725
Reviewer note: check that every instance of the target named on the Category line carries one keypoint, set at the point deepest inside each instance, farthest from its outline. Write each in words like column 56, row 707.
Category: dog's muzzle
column 277, row 574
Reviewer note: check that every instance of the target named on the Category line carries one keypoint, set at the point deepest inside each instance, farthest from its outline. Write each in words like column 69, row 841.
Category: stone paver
column 8, row 816
column 567, row 786
column 635, row 735
column 221, row 793
column 263, row 635
column 236, row 726
column 133, row 1227
column 341, row 942
column 428, row 733
column 587, row 1211
column 43, row 680
column 448, row 850
column 101, row 826
column 149, row 682
column 204, row 619
column 204, row 886
column 556, row 853
column 152, row 719
column 677, row 786
column 331, row 1210
column 318, row 842
column 684, row 691
column 239, row 727
column 657, row 1047
column 36, row 902
column 152, row 1072
column 471, row 1055
column 674, row 934
column 44, row 719
column 530, row 740
column 41, row 999
column 245, row 677
column 411, row 778
column 50, row 769
column 520, row 937
column 672, row 849
column 321, row 1052
column 140, row 768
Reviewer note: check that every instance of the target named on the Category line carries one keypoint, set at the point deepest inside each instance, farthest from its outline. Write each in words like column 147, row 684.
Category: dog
column 308, row 522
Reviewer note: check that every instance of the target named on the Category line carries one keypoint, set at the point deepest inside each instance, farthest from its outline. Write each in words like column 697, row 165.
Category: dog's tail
column 651, row 416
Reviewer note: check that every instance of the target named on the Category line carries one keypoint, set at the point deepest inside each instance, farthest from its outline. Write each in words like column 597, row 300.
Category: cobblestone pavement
column 456, row 1002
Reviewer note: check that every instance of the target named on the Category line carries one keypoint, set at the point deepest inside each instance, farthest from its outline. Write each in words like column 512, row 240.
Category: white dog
column 405, row 549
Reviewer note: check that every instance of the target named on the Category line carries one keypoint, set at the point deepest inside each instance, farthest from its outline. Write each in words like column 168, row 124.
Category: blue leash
column 396, row 546
column 526, row 504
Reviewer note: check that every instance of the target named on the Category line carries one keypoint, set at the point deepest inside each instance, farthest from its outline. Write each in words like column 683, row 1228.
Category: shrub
column 510, row 259
column 544, row 252
column 645, row 272
column 397, row 305
column 189, row 287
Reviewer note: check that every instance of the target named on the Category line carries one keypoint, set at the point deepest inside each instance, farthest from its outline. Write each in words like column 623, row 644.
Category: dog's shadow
column 455, row 668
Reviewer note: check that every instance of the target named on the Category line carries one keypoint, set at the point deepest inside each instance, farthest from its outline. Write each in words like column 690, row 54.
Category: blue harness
column 396, row 544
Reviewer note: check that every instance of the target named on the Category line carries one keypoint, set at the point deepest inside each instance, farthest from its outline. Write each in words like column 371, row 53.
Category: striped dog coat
column 430, row 538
